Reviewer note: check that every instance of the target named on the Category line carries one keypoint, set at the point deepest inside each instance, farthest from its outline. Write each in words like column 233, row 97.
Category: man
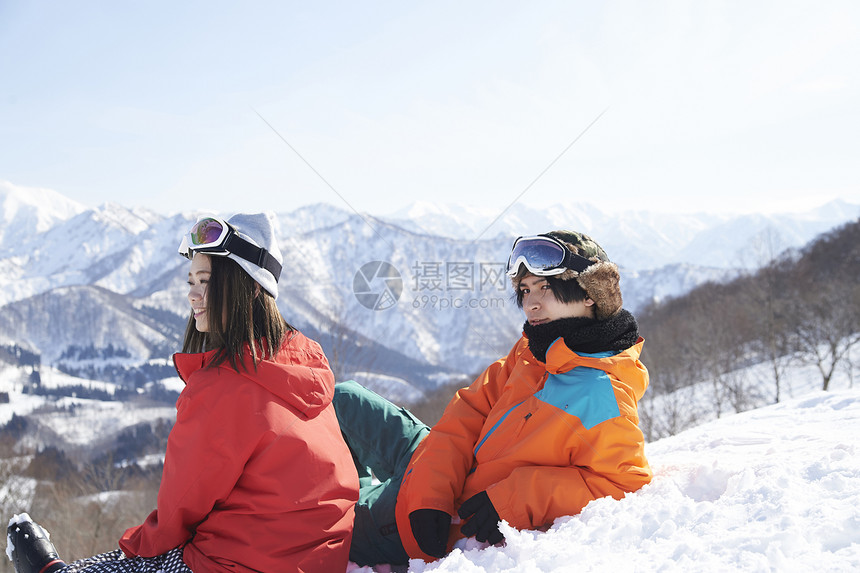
column 538, row 435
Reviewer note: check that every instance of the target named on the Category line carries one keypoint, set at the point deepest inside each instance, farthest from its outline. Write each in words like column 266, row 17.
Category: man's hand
column 484, row 520
column 430, row 528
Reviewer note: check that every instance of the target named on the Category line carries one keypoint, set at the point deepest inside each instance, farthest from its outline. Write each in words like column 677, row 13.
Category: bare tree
column 827, row 301
column 766, row 306
column 828, row 327
column 88, row 510
column 850, row 366
column 670, row 406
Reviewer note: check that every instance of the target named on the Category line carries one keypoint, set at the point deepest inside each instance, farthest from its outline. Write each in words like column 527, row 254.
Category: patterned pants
column 117, row 562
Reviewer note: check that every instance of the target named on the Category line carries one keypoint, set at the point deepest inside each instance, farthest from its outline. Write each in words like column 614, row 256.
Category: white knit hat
column 258, row 229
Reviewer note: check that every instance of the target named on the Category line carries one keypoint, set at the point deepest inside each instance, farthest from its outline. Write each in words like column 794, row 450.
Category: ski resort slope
column 772, row 489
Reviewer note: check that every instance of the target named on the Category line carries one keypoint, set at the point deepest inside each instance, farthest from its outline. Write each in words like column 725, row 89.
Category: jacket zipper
column 522, row 424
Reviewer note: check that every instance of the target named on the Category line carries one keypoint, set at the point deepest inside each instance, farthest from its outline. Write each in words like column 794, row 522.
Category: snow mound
column 773, row 489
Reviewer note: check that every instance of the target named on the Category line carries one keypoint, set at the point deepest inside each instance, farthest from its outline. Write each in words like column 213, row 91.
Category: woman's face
column 541, row 306
column 198, row 283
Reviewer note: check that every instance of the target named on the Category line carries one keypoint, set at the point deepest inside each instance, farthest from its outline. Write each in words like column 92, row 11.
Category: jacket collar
column 623, row 366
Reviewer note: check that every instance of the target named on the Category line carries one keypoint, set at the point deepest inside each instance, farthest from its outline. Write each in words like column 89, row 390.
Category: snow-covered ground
column 772, row 489
column 22, row 404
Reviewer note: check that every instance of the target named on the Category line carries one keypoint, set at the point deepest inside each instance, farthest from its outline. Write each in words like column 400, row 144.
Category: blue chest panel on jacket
column 582, row 392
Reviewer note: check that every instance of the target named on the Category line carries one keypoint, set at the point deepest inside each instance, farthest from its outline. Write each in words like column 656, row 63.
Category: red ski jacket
column 257, row 476
column 542, row 440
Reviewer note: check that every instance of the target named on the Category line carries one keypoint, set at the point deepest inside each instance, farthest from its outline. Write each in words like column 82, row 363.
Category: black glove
column 430, row 528
column 484, row 520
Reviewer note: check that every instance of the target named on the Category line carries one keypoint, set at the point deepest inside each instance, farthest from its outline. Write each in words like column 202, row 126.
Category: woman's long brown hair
column 250, row 317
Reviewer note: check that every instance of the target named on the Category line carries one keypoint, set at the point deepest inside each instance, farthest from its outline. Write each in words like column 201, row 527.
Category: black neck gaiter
column 581, row 334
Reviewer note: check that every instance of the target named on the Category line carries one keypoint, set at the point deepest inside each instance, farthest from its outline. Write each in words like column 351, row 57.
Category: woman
column 256, row 475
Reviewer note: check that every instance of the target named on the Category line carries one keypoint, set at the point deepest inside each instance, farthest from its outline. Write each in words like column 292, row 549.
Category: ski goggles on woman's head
column 544, row 256
column 208, row 235
column 214, row 236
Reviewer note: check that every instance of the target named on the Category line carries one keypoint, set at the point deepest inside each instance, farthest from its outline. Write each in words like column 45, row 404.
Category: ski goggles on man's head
column 214, row 236
column 544, row 256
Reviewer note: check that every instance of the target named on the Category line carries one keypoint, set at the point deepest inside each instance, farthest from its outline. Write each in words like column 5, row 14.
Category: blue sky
column 699, row 106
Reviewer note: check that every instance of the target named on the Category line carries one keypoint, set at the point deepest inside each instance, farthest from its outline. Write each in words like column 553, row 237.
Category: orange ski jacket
column 257, row 476
column 542, row 439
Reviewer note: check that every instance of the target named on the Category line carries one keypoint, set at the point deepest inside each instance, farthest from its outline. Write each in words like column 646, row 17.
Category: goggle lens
column 541, row 255
column 538, row 254
column 206, row 231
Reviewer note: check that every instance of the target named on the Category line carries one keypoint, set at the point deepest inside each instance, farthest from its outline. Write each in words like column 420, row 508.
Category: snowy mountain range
column 418, row 295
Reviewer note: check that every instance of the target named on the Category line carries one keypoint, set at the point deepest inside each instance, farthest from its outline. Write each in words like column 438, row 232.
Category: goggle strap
column 577, row 263
column 253, row 254
column 572, row 261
